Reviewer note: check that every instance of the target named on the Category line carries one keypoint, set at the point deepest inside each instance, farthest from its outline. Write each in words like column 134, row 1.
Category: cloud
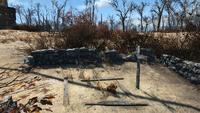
column 81, row 7
column 102, row 3
column 17, row 2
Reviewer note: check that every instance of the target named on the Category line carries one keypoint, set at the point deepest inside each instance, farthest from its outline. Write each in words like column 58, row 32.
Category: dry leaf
column 1, row 97
column 19, row 84
column 11, row 86
column 48, row 110
column 24, row 96
column 34, row 100
column 21, row 105
column 12, row 89
column 16, row 97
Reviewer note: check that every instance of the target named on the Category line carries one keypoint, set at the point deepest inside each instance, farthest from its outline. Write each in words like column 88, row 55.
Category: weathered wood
column 117, row 103
column 102, row 79
column 66, row 95
column 138, row 69
column 139, row 57
column 125, row 90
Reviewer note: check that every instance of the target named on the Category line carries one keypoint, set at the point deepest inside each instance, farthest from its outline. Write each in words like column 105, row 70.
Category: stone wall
column 189, row 70
column 63, row 56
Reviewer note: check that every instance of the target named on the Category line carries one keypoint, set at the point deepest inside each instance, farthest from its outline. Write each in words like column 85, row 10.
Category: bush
column 30, row 28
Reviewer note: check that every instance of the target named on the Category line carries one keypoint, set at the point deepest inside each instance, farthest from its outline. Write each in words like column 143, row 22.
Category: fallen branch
column 4, row 71
column 10, row 81
column 117, row 103
column 102, row 79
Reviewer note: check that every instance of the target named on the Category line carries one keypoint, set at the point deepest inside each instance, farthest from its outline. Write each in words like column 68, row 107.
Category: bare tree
column 185, row 5
column 130, row 23
column 18, row 10
column 47, row 22
column 153, row 18
column 59, row 9
column 92, row 6
column 37, row 10
column 169, row 8
column 123, row 12
column 111, row 19
column 147, row 21
column 140, row 9
column 163, row 22
column 28, row 14
column 160, row 8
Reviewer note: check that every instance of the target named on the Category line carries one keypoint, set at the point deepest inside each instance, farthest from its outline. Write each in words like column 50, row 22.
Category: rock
column 12, row 103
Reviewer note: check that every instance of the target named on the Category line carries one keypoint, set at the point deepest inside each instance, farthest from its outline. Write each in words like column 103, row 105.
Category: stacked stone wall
column 189, row 70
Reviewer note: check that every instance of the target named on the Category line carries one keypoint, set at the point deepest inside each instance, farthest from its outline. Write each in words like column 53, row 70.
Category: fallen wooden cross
column 102, row 79
column 117, row 103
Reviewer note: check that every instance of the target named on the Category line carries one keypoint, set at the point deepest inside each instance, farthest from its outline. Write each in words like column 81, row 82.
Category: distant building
column 7, row 15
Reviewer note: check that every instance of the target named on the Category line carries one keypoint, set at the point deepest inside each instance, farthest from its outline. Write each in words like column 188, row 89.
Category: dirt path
column 163, row 89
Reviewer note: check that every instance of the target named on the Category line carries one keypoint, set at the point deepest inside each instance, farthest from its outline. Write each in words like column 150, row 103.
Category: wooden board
column 117, row 103
column 66, row 95
column 124, row 90
column 102, row 79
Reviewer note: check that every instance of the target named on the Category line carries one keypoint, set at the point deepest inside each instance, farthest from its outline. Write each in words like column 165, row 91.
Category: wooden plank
column 125, row 90
column 117, row 103
column 102, row 79
column 66, row 95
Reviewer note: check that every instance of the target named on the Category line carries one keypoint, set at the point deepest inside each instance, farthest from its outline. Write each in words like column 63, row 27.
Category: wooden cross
column 139, row 57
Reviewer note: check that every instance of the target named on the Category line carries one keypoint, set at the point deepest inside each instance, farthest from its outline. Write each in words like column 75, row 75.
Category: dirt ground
column 163, row 89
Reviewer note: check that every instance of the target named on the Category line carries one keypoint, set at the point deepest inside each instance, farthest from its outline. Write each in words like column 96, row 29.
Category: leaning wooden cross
column 139, row 57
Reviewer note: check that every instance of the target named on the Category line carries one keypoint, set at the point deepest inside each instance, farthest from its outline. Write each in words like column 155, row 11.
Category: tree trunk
column 159, row 18
column 123, row 23
column 169, row 23
column 141, row 25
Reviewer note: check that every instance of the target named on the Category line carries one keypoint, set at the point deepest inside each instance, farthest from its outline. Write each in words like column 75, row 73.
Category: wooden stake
column 138, row 69
column 139, row 57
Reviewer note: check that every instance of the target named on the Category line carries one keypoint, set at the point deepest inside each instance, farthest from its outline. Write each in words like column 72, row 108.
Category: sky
column 103, row 7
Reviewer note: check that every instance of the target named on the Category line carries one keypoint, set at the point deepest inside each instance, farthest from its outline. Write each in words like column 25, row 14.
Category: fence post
column 139, row 57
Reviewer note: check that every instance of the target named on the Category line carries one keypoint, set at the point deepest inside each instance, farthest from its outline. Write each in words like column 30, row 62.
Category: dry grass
column 84, row 34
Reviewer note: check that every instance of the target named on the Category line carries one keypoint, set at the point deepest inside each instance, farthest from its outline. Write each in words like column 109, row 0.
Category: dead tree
column 111, row 19
column 123, row 12
column 18, row 10
column 169, row 8
column 147, row 22
column 140, row 10
column 160, row 8
column 58, row 11
column 153, row 18
column 185, row 6
column 37, row 10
